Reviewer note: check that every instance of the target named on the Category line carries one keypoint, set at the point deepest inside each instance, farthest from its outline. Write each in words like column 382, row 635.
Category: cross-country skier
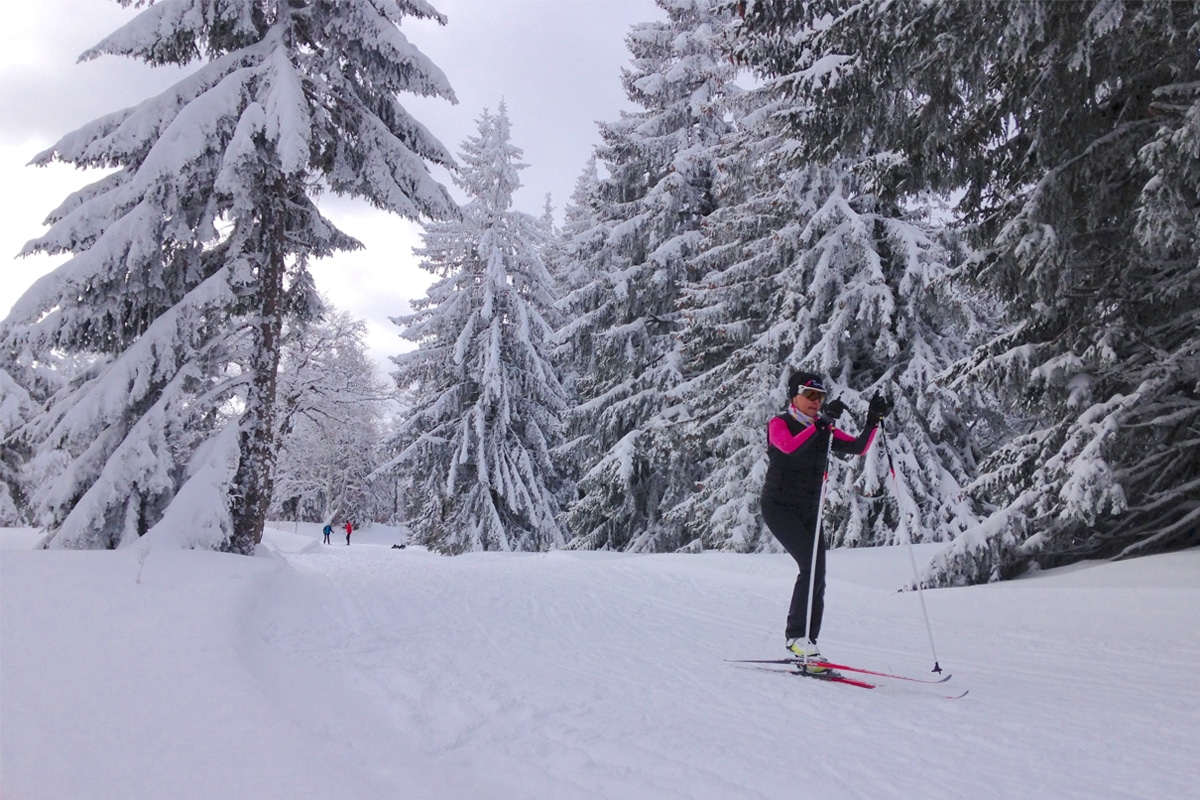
column 798, row 445
column 349, row 530
column 328, row 531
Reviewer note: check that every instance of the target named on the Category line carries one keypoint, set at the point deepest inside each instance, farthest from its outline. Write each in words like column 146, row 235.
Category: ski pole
column 908, row 540
column 812, row 568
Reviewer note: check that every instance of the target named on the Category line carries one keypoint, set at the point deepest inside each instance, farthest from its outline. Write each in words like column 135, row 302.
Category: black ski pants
column 794, row 525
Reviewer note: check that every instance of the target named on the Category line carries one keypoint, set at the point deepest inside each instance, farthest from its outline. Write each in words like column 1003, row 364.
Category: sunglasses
column 812, row 394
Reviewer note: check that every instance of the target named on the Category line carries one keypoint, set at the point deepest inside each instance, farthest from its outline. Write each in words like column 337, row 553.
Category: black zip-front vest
column 796, row 477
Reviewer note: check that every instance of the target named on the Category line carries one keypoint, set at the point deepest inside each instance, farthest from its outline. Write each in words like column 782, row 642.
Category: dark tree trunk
column 254, row 483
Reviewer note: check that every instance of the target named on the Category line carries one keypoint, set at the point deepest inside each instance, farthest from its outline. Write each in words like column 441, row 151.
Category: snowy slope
column 370, row 672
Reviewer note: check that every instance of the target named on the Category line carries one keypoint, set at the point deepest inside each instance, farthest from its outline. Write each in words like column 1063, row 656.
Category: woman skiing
column 798, row 446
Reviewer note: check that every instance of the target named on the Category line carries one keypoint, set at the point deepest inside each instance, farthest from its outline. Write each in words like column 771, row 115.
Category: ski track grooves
column 592, row 675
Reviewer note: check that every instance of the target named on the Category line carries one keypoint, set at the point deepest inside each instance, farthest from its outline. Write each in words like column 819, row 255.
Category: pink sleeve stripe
column 779, row 435
column 841, row 434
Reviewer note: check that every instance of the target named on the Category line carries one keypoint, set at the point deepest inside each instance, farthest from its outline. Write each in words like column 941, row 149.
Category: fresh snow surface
column 317, row 671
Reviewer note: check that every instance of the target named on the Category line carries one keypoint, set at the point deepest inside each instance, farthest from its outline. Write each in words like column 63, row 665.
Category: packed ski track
column 372, row 672
column 603, row 675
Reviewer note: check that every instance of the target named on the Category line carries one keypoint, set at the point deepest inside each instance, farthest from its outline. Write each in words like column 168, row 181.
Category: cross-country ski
column 828, row 665
column 786, row 668
column 833, row 673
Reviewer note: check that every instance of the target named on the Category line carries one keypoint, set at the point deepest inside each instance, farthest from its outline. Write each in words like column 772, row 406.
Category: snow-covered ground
column 318, row 671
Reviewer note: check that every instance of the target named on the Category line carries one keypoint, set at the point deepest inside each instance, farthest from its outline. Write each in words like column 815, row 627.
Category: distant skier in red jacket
column 349, row 530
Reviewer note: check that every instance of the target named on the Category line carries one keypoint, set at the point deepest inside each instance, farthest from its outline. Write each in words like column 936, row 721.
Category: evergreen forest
column 986, row 211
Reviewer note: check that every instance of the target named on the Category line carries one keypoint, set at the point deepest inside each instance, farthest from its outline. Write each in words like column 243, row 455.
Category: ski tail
column 835, row 678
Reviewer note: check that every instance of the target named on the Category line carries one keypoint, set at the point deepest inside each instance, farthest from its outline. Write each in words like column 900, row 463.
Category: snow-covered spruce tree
column 332, row 408
column 632, row 265
column 186, row 261
column 16, row 408
column 484, row 401
column 569, row 260
column 25, row 387
column 1066, row 126
column 1167, row 511
column 809, row 269
column 550, row 234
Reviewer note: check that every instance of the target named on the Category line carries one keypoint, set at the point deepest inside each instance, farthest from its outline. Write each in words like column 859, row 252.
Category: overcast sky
column 555, row 63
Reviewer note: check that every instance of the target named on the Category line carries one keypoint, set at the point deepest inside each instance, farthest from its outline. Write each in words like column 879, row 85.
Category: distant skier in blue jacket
column 798, row 446
column 328, row 531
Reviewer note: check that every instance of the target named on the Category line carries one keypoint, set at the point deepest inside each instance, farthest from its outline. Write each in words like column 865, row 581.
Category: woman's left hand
column 880, row 407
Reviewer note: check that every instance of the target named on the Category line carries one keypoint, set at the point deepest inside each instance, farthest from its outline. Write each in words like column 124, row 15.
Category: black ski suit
column 791, row 496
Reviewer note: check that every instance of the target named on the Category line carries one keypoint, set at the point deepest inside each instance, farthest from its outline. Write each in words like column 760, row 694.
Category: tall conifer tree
column 633, row 263
column 484, row 401
column 186, row 261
